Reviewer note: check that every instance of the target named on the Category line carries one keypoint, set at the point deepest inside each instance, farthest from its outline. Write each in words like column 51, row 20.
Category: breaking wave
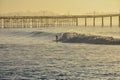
column 73, row 37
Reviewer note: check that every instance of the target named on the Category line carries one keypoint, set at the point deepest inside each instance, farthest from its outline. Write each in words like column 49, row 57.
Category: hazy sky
column 60, row 6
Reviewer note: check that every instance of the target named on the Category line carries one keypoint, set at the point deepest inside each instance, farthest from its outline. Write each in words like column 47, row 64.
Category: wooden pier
column 60, row 20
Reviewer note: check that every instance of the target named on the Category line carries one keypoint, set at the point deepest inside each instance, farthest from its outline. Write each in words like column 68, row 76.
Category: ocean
column 32, row 54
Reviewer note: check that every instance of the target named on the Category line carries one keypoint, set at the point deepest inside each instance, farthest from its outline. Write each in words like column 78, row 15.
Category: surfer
column 56, row 38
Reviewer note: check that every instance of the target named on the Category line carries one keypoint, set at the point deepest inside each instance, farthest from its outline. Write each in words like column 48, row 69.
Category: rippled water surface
column 32, row 54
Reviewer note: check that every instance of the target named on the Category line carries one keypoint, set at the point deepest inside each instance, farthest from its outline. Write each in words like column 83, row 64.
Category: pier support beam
column 119, row 21
column 85, row 21
column 93, row 21
column 76, row 21
column 0, row 23
column 102, row 21
column 110, row 21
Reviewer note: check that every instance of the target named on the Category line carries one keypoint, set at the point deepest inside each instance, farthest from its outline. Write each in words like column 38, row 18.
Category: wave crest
column 74, row 37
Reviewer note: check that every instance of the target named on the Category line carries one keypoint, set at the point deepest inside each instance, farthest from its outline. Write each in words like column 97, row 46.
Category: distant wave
column 41, row 34
column 28, row 34
column 73, row 37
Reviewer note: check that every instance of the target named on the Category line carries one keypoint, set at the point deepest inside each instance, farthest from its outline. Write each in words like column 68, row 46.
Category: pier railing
column 60, row 20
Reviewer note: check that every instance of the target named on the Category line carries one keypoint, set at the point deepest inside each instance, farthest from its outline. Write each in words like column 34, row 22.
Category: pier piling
column 102, row 21
column 119, row 21
column 93, row 21
column 110, row 21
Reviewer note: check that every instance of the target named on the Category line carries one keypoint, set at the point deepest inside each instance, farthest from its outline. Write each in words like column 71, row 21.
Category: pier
column 60, row 20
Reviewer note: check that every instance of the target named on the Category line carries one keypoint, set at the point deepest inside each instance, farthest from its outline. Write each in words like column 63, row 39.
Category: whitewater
column 33, row 54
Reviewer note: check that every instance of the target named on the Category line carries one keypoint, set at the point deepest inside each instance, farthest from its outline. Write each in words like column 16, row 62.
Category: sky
column 61, row 6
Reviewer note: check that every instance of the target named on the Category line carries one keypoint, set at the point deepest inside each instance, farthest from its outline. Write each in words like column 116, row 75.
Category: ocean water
column 32, row 54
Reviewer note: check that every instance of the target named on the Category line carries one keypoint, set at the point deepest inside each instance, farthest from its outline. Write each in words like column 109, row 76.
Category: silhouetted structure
column 44, row 21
